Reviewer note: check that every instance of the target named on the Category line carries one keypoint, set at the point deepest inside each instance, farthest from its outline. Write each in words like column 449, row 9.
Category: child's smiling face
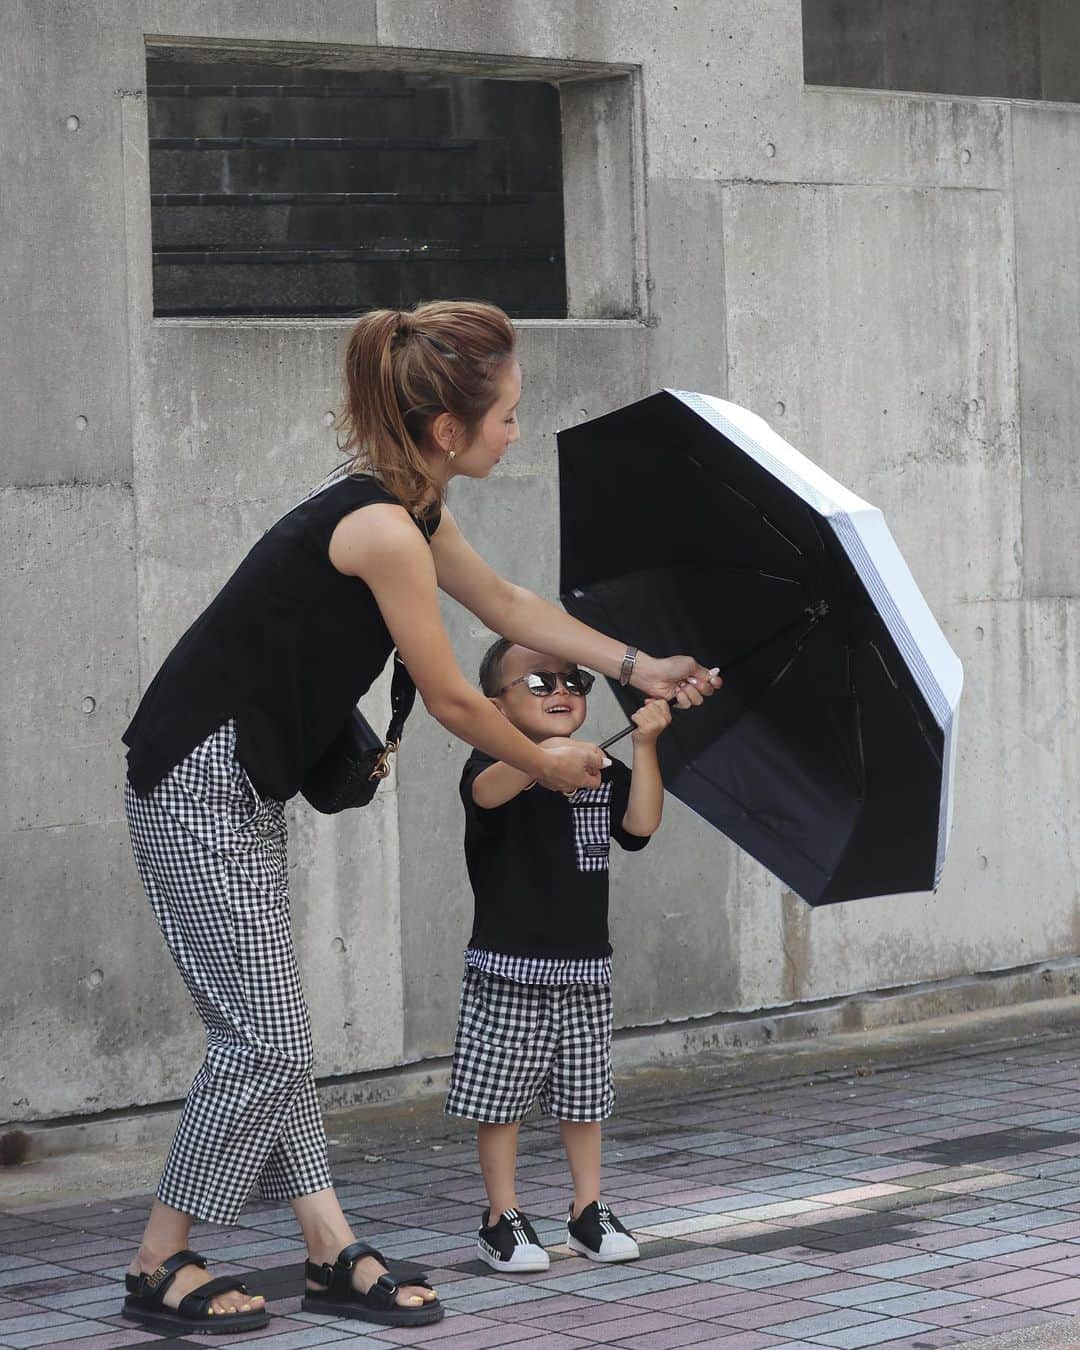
column 538, row 716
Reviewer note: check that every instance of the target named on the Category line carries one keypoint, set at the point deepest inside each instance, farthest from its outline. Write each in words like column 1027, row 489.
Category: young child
column 535, row 1021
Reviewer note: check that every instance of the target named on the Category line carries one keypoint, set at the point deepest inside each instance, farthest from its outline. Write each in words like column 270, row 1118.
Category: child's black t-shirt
column 539, row 865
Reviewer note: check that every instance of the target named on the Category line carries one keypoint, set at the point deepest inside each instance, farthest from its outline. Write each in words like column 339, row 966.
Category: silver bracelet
column 628, row 665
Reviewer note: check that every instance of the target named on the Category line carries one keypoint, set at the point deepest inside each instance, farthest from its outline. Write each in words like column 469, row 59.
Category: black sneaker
column 511, row 1244
column 598, row 1234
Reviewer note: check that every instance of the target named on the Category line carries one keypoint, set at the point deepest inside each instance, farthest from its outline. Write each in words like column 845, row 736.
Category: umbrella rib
column 934, row 752
column 757, row 818
column 777, row 530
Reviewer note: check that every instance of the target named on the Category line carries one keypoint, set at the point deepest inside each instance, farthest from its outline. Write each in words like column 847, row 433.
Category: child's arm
column 500, row 783
column 646, row 803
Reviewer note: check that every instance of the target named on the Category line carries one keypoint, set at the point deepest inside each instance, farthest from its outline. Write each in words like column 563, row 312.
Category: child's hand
column 650, row 721
column 572, row 765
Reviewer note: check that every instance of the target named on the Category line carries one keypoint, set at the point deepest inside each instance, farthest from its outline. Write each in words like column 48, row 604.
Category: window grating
column 282, row 191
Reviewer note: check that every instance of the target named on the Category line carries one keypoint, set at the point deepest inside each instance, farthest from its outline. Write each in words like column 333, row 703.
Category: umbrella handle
column 617, row 737
column 620, row 734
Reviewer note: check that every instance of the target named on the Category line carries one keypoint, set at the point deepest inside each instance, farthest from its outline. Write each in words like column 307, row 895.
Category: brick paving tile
column 1001, row 1286
column 1047, row 1295
column 885, row 1332
column 998, row 1326
column 1047, row 1257
column 969, row 1312
column 930, row 1340
column 1058, row 1230
column 688, row 1334
column 783, row 1217
column 687, row 1299
column 787, row 1310
column 953, row 1276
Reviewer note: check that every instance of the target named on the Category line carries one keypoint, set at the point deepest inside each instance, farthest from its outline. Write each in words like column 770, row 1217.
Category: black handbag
column 356, row 761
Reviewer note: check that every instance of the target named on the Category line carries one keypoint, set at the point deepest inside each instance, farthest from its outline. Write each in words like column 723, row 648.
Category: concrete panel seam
column 891, row 185
column 1010, row 178
column 922, row 96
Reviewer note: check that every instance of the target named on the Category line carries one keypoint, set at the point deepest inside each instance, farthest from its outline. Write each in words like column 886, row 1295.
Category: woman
column 243, row 707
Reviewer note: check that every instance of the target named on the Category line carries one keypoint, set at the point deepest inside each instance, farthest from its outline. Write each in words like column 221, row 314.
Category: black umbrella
column 689, row 525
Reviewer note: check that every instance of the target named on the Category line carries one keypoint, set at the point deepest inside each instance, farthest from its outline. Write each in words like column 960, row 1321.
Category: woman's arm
column 501, row 783
column 380, row 545
column 522, row 616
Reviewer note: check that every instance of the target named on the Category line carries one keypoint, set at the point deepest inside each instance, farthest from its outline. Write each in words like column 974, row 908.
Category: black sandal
column 146, row 1292
column 379, row 1304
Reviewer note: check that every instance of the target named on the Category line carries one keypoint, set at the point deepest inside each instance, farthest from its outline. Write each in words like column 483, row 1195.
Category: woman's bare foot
column 189, row 1278
column 364, row 1274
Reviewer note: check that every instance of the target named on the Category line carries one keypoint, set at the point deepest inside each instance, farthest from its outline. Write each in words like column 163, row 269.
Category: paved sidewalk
column 924, row 1205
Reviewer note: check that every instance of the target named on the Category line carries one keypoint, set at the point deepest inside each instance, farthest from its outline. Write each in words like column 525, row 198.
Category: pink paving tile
column 786, row 1310
column 1047, row 1295
column 686, row 1298
column 541, row 1342
column 949, row 1276
column 674, row 1260
column 11, row 1307
column 997, row 1326
column 946, row 1336
column 1057, row 1265
column 952, row 1235
column 1067, row 1230
column 279, row 1326
column 1067, row 1309
column 739, row 1340
column 863, row 1256
column 638, row 1324
column 694, row 1333
column 564, row 1313
column 451, row 1326
column 826, row 1214
column 891, row 1172
column 1002, row 1286
column 108, row 1340
column 496, row 1335
column 1050, row 1257
column 825, row 1284
column 719, row 1237
column 964, row 1314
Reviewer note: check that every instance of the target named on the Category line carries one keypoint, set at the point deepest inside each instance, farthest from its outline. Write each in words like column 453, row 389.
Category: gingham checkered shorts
column 523, row 1043
column 211, row 855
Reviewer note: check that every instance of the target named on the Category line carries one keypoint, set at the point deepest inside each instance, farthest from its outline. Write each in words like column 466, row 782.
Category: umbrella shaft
column 811, row 618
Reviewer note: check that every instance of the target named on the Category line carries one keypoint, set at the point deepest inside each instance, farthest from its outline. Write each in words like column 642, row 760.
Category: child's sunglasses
column 545, row 682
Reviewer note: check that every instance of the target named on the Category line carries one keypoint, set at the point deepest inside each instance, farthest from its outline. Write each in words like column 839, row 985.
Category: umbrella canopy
column 688, row 525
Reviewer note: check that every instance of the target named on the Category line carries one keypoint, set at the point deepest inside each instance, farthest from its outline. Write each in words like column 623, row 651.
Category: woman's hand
column 651, row 721
column 675, row 677
column 570, row 765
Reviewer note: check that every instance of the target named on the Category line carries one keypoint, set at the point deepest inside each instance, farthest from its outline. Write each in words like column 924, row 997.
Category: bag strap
column 402, row 698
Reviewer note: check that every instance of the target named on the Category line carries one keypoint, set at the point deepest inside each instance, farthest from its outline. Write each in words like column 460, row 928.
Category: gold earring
column 451, row 454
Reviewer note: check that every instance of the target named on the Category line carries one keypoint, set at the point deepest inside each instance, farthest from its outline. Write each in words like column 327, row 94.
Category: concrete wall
column 996, row 48
column 890, row 279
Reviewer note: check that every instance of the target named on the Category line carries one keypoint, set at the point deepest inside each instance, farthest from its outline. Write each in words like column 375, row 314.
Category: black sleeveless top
column 286, row 648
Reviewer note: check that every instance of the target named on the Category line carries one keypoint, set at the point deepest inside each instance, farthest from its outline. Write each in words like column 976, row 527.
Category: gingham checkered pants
column 211, row 855
column 517, row 1044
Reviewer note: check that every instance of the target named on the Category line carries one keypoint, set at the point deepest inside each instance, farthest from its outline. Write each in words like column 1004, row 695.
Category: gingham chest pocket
column 590, row 814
